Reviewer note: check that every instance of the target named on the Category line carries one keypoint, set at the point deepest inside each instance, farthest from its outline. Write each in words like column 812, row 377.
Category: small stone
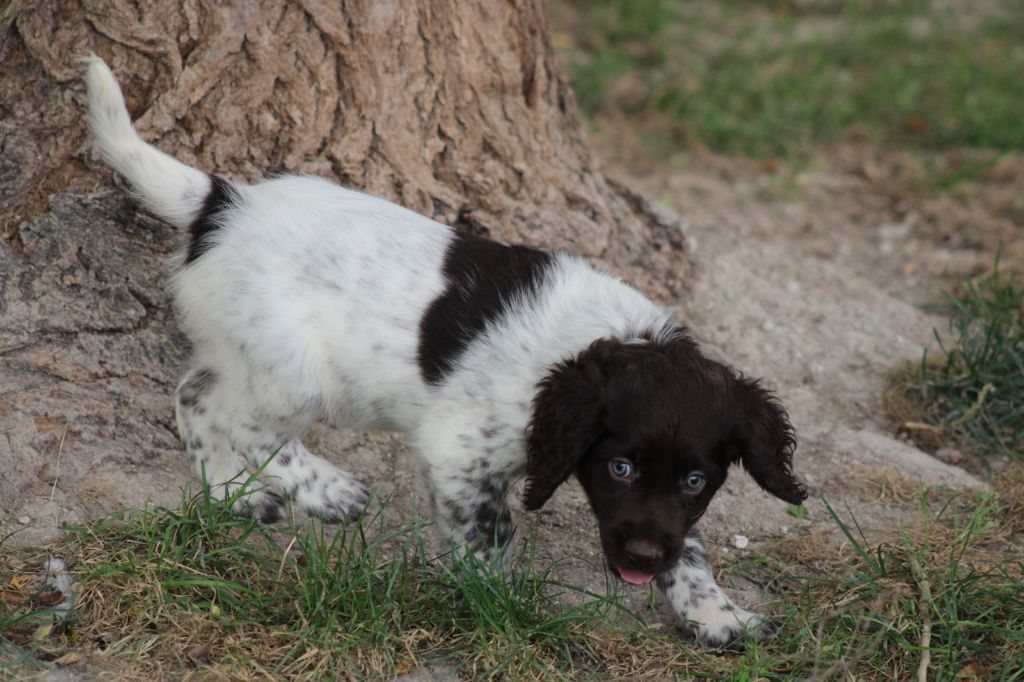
column 24, row 520
column 740, row 541
column 950, row 455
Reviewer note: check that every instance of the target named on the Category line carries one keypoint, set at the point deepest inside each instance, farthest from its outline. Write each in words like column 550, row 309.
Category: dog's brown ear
column 566, row 422
column 764, row 441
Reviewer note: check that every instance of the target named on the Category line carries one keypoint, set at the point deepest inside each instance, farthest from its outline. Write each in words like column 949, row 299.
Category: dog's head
column 651, row 428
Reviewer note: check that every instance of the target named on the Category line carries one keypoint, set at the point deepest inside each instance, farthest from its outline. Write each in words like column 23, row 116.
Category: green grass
column 972, row 613
column 769, row 79
column 974, row 391
column 862, row 612
column 366, row 601
column 168, row 591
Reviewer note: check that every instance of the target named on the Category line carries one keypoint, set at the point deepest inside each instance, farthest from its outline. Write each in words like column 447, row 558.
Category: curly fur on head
column 669, row 413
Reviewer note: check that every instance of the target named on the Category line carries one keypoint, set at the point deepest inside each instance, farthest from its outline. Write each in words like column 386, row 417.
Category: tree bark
column 457, row 110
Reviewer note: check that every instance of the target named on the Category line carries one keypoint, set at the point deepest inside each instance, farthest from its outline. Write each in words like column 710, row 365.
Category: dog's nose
column 644, row 552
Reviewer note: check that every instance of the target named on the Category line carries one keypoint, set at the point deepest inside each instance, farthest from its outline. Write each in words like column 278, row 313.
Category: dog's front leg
column 471, row 511
column 709, row 616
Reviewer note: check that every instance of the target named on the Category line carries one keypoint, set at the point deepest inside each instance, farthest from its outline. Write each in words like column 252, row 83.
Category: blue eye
column 695, row 482
column 621, row 468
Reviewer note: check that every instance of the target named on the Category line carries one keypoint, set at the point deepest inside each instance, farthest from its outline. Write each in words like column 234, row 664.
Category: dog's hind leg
column 709, row 616
column 203, row 426
column 315, row 485
column 229, row 434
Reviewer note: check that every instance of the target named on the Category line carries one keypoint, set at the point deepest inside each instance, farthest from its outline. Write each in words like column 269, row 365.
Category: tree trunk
column 456, row 110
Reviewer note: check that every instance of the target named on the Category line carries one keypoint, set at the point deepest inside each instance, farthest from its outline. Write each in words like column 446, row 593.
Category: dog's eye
column 695, row 482
column 621, row 468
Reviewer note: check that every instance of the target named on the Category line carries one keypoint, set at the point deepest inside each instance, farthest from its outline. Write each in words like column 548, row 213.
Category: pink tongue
column 635, row 577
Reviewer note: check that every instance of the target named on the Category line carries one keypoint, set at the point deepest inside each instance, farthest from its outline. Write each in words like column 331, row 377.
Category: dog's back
column 305, row 279
column 321, row 287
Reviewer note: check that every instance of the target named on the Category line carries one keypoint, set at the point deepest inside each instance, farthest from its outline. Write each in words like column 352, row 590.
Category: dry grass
column 194, row 593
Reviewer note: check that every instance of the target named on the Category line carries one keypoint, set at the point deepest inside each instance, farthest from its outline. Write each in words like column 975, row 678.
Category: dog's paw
column 337, row 498
column 263, row 505
column 723, row 626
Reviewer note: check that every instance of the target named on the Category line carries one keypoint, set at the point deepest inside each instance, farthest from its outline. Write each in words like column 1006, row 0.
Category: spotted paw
column 725, row 627
column 338, row 498
column 263, row 505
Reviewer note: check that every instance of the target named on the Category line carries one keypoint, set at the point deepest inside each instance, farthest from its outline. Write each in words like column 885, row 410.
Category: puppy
column 306, row 301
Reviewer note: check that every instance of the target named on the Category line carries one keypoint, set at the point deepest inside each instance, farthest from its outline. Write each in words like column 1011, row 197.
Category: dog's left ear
column 566, row 421
column 764, row 441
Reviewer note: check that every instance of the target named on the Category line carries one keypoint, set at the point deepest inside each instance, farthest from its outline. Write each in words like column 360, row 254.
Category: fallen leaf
column 20, row 582
column 12, row 596
column 199, row 654
column 973, row 669
column 49, row 598
column 42, row 632
column 18, row 638
column 70, row 658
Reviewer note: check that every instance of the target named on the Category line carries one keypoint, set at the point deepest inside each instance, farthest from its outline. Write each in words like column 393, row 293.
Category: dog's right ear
column 566, row 422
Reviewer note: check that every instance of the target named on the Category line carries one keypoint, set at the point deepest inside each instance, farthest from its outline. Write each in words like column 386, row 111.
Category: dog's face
column 650, row 430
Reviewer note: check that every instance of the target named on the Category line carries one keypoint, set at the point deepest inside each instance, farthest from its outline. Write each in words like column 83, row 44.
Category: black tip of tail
column 222, row 197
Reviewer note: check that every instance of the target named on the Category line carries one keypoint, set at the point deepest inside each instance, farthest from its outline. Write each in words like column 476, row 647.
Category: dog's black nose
column 644, row 552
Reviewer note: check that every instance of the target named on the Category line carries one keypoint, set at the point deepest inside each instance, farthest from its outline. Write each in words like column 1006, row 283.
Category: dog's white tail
column 169, row 188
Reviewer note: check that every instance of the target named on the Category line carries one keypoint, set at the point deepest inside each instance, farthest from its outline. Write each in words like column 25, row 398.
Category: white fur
column 307, row 307
column 167, row 187
column 691, row 590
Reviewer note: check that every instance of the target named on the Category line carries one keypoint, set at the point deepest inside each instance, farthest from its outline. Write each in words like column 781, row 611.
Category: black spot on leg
column 484, row 278
column 265, row 508
column 693, row 551
column 222, row 196
column 456, row 513
column 492, row 523
column 195, row 387
column 310, row 481
column 271, row 509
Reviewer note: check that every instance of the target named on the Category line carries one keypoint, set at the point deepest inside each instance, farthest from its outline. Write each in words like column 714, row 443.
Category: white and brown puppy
column 306, row 301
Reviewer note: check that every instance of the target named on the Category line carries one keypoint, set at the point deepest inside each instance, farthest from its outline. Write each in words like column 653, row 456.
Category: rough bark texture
column 455, row 110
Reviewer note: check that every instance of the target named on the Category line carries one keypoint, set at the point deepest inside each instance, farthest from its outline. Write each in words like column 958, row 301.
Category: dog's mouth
column 633, row 577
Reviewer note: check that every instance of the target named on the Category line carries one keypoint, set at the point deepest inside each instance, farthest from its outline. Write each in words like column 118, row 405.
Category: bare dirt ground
column 815, row 280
